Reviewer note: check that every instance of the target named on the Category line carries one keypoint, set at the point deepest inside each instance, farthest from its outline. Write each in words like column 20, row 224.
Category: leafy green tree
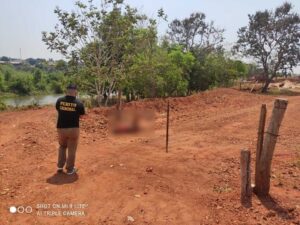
column 273, row 39
column 225, row 70
column 1, row 82
column 182, row 58
column 98, row 41
column 215, row 70
column 240, row 67
column 34, row 80
column 57, row 81
column 21, row 85
column 185, row 60
column 200, row 80
column 156, row 75
column 57, row 87
column 61, row 65
column 37, row 76
column 40, row 83
column 7, row 75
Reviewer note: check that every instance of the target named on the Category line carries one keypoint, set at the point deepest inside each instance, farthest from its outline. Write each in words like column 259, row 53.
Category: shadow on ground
column 270, row 203
column 62, row 178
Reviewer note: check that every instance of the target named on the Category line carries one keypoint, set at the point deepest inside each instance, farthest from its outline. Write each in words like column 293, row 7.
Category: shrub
column 3, row 106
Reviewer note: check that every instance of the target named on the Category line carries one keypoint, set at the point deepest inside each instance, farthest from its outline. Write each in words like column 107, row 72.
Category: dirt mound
column 215, row 98
column 99, row 118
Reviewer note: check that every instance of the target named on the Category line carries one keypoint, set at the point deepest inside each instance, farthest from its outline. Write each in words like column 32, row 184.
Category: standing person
column 69, row 111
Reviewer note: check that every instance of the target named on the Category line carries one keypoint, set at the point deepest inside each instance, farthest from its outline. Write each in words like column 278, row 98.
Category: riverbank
column 40, row 99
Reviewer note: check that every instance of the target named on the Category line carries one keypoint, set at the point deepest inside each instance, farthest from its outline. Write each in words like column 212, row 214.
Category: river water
column 41, row 100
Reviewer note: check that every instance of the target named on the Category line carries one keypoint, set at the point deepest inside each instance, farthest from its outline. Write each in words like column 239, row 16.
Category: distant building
column 16, row 62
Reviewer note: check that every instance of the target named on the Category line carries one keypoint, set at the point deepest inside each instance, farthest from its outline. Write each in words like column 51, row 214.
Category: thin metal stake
column 167, row 132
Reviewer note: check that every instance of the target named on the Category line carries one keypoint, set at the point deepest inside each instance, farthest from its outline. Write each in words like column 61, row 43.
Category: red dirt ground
column 197, row 182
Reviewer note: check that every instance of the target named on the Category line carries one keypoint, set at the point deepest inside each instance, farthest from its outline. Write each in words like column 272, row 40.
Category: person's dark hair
column 72, row 86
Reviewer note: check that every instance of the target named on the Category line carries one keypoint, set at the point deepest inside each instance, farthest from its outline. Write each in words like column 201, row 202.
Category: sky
column 22, row 21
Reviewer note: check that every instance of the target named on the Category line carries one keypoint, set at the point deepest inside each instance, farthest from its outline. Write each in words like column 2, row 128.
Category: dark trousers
column 68, row 139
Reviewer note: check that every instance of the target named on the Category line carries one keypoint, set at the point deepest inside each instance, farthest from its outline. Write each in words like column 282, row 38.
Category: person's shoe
column 73, row 171
column 60, row 170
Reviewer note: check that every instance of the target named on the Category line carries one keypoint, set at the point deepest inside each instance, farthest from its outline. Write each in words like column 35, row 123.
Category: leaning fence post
column 260, row 137
column 263, row 173
column 246, row 190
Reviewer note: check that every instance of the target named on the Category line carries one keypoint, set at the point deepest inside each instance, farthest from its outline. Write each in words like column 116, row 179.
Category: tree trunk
column 128, row 97
column 100, row 91
column 110, row 90
column 107, row 98
column 99, row 98
column 133, row 97
column 266, row 85
column 119, row 104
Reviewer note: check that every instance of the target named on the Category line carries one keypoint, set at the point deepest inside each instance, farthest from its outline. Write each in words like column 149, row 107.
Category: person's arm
column 57, row 104
column 81, row 109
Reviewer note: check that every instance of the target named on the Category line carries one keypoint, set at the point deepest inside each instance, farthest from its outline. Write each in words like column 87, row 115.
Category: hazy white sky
column 22, row 21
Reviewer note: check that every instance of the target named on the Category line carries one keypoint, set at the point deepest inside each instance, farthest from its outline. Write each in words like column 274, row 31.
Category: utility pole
column 20, row 55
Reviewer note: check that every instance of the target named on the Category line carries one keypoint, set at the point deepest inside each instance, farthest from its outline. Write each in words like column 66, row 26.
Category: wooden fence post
column 246, row 190
column 263, row 173
column 167, row 128
column 260, row 138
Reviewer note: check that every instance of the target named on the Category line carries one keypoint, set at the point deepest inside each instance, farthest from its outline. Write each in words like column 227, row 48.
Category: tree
column 185, row 60
column 273, row 39
column 31, row 61
column 37, row 76
column 156, row 75
column 7, row 75
column 57, row 82
column 21, row 85
column 1, row 82
column 3, row 106
column 216, row 70
column 251, row 70
column 195, row 32
column 61, row 65
column 97, row 41
column 240, row 67
column 4, row 58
